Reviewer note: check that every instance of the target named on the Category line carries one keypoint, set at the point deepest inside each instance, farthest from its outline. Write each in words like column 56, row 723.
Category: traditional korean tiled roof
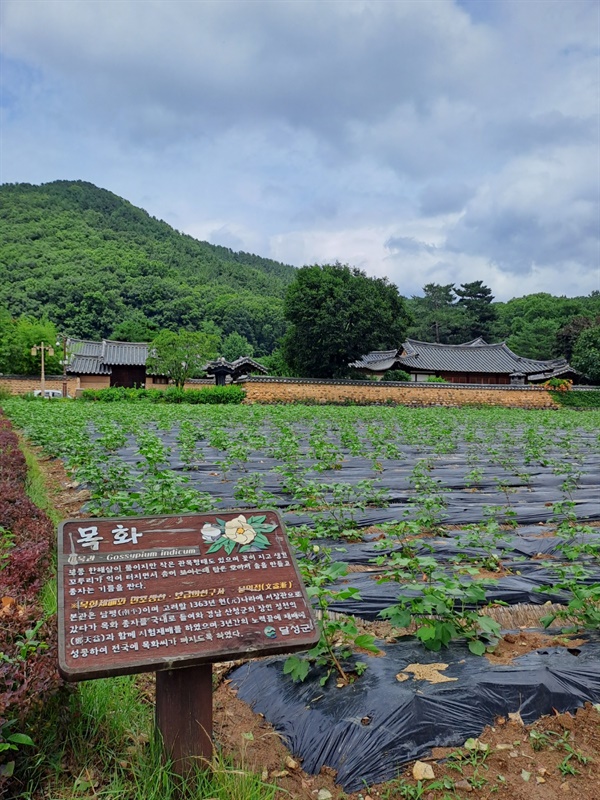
column 97, row 358
column 377, row 360
column 243, row 364
column 475, row 356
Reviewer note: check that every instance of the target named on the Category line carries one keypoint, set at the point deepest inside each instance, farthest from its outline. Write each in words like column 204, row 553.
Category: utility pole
column 43, row 348
column 64, row 365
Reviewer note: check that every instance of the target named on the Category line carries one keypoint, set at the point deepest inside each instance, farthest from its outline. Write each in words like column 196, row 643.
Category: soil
column 556, row 758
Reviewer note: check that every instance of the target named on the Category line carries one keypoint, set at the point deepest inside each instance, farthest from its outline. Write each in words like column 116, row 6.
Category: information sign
column 155, row 593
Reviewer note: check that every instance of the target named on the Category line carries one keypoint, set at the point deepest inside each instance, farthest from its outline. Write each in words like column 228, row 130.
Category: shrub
column 208, row 394
column 28, row 641
column 559, row 384
column 589, row 399
column 435, row 379
column 396, row 375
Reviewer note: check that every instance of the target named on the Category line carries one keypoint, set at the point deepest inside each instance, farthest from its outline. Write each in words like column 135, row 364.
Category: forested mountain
column 81, row 261
column 97, row 266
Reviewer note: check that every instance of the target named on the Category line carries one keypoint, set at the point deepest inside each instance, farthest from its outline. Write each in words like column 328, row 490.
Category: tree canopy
column 98, row 267
column 18, row 336
column 336, row 314
column 437, row 317
column 181, row 355
column 586, row 354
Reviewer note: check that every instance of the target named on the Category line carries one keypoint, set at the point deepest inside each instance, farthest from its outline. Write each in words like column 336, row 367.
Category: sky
column 441, row 141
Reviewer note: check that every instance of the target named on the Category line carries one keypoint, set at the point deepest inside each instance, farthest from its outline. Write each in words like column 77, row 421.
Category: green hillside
column 98, row 266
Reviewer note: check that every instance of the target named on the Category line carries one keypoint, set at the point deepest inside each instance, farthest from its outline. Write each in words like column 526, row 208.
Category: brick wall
column 22, row 384
column 289, row 390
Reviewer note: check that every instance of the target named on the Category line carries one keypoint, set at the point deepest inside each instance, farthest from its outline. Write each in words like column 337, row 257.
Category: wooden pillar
column 184, row 715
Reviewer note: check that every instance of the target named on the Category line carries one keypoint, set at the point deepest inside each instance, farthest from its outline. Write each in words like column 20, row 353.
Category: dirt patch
column 557, row 757
column 64, row 493
column 512, row 646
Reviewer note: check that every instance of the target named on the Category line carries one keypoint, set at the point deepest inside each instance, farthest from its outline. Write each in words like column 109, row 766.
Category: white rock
column 422, row 771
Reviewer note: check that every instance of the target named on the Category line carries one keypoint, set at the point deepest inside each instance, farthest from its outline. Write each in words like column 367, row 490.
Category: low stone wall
column 292, row 390
column 297, row 390
column 22, row 384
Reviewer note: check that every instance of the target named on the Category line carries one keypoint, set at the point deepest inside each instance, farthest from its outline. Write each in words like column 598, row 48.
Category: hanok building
column 225, row 371
column 472, row 362
column 99, row 365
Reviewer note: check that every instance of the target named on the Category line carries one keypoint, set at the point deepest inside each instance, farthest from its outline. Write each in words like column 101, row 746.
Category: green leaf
column 215, row 546
column 221, row 523
column 477, row 647
column 256, row 520
column 426, row 633
column 400, row 618
column 20, row 738
column 365, row 641
column 229, row 546
column 297, row 667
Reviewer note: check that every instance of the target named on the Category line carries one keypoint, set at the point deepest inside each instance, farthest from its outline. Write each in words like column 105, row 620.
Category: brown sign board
column 137, row 594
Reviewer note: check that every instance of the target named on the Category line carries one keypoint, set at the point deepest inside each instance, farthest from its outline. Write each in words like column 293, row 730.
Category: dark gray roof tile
column 474, row 356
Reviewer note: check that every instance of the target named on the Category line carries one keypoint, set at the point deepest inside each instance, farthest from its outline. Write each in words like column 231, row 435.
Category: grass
column 36, row 487
column 100, row 743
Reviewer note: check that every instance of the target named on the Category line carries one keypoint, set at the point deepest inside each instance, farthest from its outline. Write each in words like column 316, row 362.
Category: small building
column 472, row 362
column 231, row 371
column 99, row 365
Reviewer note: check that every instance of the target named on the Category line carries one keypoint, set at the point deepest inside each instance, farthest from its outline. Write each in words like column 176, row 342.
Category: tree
column 7, row 332
column 276, row 364
column 568, row 335
column 586, row 354
column 530, row 324
column 19, row 336
column 337, row 314
column 476, row 299
column 181, row 355
column 437, row 317
column 534, row 339
column 235, row 346
column 134, row 328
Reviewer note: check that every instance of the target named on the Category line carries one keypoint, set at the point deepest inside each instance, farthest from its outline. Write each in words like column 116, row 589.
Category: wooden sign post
column 175, row 594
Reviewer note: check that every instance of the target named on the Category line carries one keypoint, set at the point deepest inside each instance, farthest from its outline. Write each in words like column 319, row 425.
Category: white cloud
column 444, row 141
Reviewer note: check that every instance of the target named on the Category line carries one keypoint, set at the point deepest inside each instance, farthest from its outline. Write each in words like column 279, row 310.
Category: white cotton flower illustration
column 239, row 531
column 210, row 532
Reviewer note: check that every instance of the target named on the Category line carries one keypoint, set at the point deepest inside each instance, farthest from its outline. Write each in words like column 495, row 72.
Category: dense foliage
column 534, row 326
column 180, row 355
column 97, row 266
column 337, row 314
column 586, row 354
column 28, row 646
column 80, row 261
column 587, row 399
column 207, row 395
